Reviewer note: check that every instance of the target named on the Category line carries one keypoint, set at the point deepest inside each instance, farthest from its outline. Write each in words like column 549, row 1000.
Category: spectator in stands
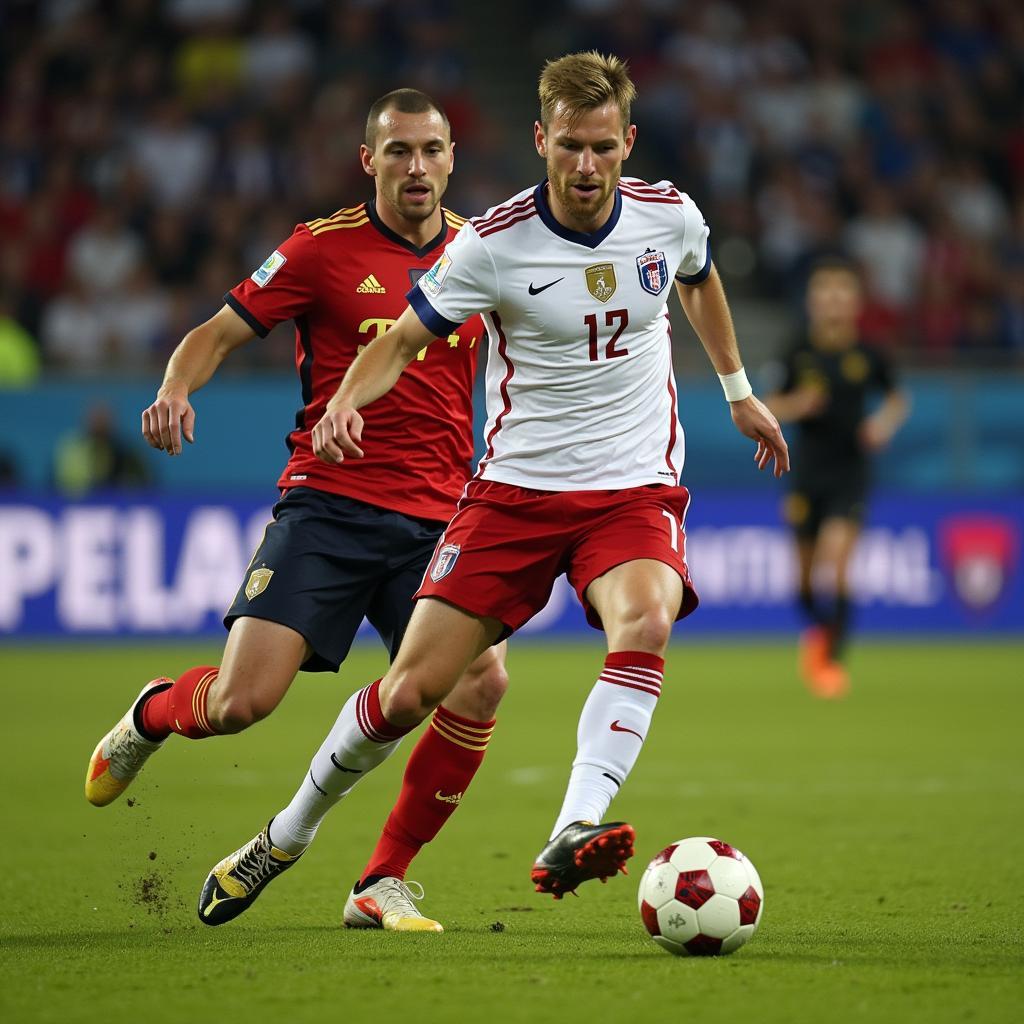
column 889, row 247
column 197, row 121
column 277, row 54
column 73, row 331
column 978, row 209
column 137, row 322
column 94, row 458
column 174, row 155
column 106, row 253
column 19, row 355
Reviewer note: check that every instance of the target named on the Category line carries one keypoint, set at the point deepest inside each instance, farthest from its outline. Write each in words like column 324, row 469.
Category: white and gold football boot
column 390, row 904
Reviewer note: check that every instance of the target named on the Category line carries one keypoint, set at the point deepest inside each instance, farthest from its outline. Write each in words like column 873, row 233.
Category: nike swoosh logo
column 369, row 907
column 341, row 768
column 454, row 798
column 99, row 767
column 615, row 727
column 543, row 287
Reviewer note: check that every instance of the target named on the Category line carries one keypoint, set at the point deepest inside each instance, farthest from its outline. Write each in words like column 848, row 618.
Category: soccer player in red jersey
column 346, row 542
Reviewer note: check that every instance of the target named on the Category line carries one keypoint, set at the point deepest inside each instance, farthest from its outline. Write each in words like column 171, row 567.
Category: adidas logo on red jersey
column 371, row 286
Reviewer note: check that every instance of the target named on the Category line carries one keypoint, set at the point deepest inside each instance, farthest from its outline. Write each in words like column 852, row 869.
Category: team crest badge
column 258, row 582
column 653, row 270
column 981, row 555
column 601, row 281
column 445, row 561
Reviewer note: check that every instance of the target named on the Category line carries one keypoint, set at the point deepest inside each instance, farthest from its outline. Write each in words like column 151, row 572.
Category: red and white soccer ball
column 701, row 897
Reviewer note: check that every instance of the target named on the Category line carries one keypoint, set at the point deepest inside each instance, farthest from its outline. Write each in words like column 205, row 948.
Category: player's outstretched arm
column 707, row 310
column 799, row 404
column 877, row 430
column 373, row 373
column 191, row 365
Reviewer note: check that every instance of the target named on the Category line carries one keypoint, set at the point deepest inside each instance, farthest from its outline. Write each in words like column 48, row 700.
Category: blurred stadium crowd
column 153, row 153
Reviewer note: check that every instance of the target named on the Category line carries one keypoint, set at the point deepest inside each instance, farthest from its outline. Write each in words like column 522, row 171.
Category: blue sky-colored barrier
column 964, row 434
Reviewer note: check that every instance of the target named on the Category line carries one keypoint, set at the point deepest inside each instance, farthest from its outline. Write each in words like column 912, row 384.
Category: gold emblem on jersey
column 854, row 367
column 601, row 281
column 371, row 286
column 259, row 579
column 810, row 378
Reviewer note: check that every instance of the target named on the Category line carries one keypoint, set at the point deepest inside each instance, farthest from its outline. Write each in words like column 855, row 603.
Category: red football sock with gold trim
column 440, row 769
column 181, row 708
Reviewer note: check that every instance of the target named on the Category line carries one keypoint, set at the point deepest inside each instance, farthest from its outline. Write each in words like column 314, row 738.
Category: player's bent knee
column 645, row 629
column 235, row 712
column 230, row 717
column 405, row 701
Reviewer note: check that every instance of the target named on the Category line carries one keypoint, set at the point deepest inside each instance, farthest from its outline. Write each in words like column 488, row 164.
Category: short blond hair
column 584, row 81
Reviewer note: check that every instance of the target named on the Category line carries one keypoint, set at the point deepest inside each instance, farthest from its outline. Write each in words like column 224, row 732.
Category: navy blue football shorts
column 812, row 501
column 326, row 562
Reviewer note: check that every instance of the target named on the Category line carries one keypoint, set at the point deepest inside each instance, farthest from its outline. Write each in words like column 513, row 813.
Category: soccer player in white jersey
column 584, row 452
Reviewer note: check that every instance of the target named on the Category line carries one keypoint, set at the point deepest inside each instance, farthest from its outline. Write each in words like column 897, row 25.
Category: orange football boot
column 814, row 654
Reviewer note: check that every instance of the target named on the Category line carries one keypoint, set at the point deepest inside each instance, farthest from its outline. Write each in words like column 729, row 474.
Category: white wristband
column 735, row 385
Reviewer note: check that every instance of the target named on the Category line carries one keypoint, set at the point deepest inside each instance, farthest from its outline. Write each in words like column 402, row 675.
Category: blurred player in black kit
column 824, row 385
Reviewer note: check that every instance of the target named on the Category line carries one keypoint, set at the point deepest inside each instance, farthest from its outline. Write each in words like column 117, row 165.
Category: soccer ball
column 701, row 897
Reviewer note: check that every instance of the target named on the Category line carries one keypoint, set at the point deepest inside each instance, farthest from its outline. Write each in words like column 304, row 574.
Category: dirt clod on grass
column 151, row 894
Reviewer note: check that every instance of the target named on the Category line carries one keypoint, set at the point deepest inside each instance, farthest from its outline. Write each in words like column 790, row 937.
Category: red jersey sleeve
column 283, row 288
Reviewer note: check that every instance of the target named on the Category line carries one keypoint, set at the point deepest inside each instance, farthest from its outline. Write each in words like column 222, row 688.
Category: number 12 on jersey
column 610, row 317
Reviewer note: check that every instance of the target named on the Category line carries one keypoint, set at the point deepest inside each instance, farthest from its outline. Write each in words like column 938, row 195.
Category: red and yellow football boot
column 120, row 755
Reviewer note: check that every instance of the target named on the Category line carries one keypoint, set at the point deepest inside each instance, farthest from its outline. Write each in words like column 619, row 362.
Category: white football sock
column 360, row 740
column 611, row 733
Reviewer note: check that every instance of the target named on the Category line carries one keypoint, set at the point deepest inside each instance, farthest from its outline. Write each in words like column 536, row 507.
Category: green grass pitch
column 888, row 830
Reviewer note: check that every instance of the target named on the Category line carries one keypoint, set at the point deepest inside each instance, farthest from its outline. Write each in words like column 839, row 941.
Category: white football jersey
column 580, row 388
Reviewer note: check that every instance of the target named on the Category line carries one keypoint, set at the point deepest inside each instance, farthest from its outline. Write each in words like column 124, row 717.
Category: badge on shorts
column 601, row 281
column 444, row 562
column 653, row 270
column 258, row 581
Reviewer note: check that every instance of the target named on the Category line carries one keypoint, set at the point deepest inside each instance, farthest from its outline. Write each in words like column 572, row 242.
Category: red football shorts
column 506, row 546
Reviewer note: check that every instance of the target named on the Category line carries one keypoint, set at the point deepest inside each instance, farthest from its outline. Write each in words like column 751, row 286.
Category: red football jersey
column 343, row 280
